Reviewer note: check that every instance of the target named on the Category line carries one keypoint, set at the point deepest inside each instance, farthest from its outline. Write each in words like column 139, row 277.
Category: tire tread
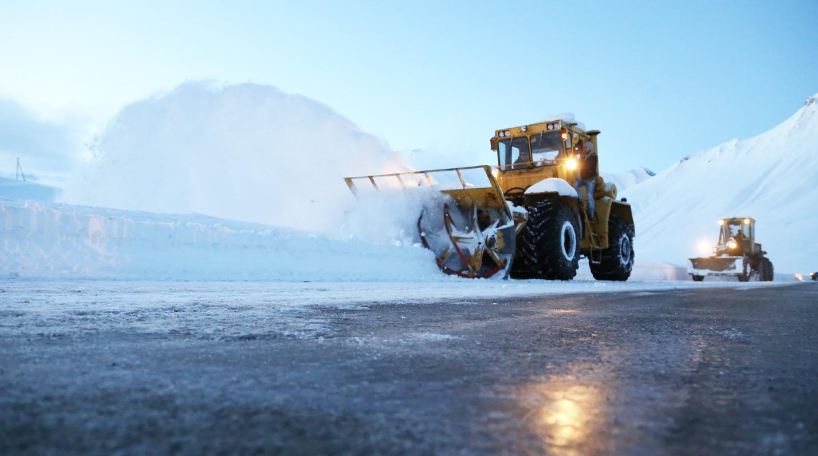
column 538, row 244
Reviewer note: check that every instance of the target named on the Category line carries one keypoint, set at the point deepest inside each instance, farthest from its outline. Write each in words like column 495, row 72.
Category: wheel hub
column 624, row 249
column 569, row 241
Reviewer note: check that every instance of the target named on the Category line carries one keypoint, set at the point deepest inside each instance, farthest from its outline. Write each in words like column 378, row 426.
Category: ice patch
column 731, row 334
column 432, row 337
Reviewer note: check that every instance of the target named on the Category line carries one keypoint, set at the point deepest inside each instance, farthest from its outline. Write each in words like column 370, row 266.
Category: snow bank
column 47, row 240
column 55, row 240
column 772, row 177
column 244, row 152
column 26, row 190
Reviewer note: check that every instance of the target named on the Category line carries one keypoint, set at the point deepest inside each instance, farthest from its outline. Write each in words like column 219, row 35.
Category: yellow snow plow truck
column 736, row 255
column 532, row 216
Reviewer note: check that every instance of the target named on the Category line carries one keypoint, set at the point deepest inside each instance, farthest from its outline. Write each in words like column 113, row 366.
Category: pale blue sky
column 660, row 79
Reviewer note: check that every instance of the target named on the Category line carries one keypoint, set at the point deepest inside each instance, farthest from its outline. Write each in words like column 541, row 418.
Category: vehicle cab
column 530, row 153
column 736, row 236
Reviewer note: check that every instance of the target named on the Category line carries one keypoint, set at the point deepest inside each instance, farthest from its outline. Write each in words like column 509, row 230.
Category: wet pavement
column 710, row 371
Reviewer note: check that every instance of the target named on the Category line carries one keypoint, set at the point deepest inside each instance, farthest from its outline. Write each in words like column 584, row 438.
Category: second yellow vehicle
column 737, row 254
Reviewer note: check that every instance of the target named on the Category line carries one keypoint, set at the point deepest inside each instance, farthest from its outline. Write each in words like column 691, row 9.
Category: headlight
column 571, row 164
column 705, row 247
column 731, row 244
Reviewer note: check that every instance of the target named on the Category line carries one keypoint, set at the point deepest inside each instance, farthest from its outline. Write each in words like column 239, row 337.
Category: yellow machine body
column 562, row 162
column 488, row 207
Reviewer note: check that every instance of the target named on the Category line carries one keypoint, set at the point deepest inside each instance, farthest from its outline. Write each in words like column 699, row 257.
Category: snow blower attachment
column 532, row 216
column 736, row 254
column 469, row 226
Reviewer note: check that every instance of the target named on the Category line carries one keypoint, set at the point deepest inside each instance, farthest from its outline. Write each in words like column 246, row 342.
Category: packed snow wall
column 52, row 240
column 20, row 189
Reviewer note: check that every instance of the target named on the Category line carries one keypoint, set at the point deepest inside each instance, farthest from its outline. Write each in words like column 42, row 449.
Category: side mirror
column 493, row 142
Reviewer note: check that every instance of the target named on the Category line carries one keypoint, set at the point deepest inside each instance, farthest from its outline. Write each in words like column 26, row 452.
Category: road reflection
column 566, row 415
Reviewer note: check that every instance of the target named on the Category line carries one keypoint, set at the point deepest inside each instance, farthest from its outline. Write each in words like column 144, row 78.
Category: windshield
column 514, row 153
column 545, row 147
column 735, row 230
column 517, row 153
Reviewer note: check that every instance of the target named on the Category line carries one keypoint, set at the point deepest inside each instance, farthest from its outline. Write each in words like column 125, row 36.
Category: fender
column 553, row 188
column 557, row 189
column 607, row 206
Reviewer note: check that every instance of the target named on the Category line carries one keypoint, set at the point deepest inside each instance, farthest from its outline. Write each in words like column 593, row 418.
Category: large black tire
column 548, row 245
column 769, row 272
column 698, row 278
column 617, row 259
column 761, row 274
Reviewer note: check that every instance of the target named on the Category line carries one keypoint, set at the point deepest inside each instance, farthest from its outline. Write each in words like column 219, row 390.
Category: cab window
column 545, row 147
column 514, row 153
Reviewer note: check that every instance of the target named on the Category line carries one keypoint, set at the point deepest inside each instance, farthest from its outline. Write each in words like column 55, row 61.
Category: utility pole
column 19, row 171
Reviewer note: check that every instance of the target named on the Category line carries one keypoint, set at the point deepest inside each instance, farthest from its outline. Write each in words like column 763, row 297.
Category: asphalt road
column 710, row 371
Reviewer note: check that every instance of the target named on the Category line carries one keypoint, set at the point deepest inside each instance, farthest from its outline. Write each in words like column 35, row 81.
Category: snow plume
column 245, row 152
column 387, row 217
column 772, row 177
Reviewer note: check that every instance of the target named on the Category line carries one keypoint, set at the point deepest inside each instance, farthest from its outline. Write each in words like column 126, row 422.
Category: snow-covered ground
column 48, row 240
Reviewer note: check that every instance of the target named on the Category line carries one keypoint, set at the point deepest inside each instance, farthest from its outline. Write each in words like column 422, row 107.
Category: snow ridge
column 629, row 179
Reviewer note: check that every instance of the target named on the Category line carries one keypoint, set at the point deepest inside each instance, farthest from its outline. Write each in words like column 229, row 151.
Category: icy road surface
column 327, row 368
column 253, row 309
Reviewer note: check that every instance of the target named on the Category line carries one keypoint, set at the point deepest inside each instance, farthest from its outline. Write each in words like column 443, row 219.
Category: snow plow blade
column 467, row 186
column 469, row 226
column 726, row 266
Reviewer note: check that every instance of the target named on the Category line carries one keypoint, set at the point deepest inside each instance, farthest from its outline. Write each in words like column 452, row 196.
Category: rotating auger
column 469, row 226
column 469, row 242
